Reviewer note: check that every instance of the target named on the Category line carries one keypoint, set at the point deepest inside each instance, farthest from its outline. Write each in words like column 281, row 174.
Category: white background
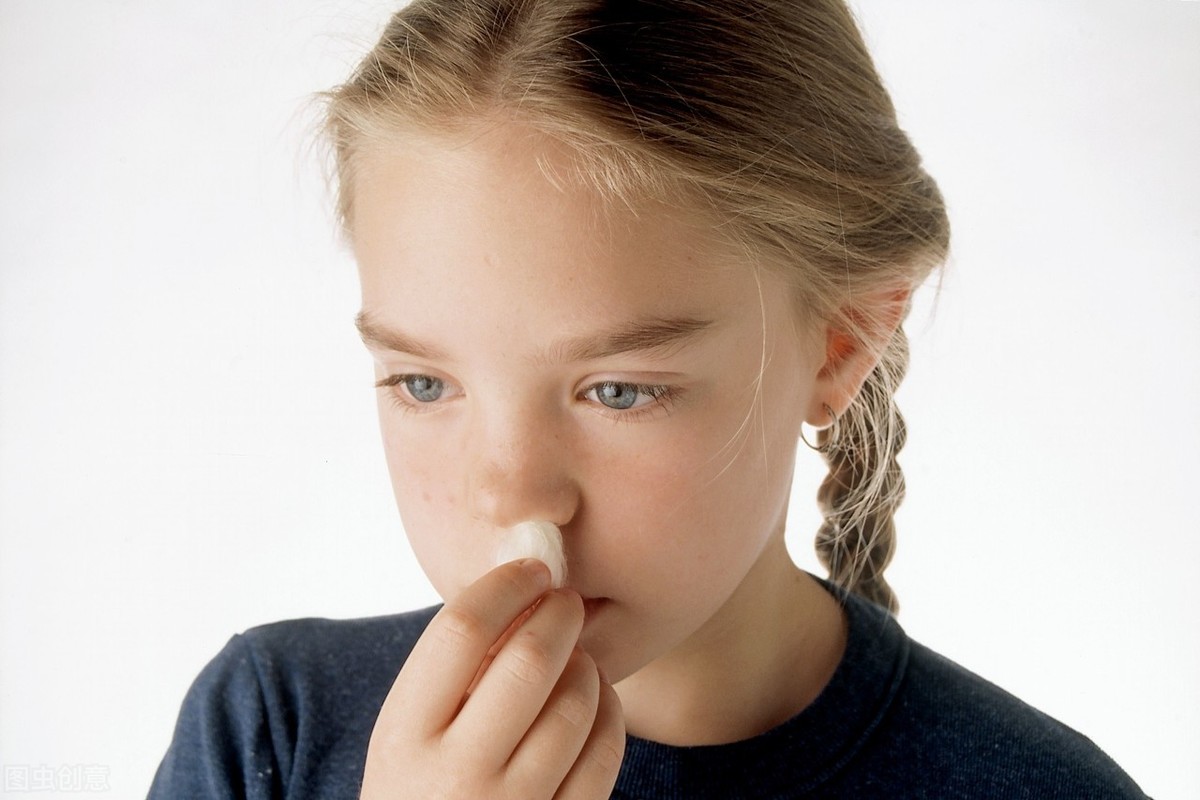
column 187, row 429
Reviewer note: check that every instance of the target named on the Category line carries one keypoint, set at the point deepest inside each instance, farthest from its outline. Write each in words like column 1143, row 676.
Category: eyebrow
column 378, row 337
column 642, row 335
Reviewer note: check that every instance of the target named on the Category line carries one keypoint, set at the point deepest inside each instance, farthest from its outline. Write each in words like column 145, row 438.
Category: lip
column 593, row 606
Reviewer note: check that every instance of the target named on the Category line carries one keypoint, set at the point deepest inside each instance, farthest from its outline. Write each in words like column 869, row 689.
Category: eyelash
column 662, row 396
column 396, row 383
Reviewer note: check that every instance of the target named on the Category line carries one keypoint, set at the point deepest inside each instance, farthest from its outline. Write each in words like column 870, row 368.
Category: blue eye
column 617, row 395
column 423, row 388
column 620, row 396
column 418, row 393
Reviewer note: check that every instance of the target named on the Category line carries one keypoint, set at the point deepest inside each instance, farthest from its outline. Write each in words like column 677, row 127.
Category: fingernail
column 536, row 570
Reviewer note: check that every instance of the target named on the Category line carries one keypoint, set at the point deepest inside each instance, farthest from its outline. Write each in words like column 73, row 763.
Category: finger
column 510, row 695
column 545, row 755
column 431, row 685
column 495, row 648
column 595, row 771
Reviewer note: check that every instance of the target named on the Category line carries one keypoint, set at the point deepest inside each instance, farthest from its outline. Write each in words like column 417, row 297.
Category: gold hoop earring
column 833, row 434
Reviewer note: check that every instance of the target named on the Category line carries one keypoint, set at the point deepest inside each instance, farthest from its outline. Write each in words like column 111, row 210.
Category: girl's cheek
column 438, row 530
column 423, row 495
column 425, row 489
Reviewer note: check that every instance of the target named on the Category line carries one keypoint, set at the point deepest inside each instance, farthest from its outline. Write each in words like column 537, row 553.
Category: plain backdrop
column 187, row 423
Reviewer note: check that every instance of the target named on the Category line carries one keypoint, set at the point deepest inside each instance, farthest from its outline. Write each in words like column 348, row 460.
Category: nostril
column 536, row 539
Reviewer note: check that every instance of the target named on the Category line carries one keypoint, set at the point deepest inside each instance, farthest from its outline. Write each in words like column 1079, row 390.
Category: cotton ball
column 536, row 539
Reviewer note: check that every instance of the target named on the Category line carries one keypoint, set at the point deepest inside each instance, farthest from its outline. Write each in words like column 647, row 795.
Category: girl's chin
column 607, row 639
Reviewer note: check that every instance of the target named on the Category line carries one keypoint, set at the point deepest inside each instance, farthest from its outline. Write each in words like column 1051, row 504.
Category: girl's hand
column 498, row 701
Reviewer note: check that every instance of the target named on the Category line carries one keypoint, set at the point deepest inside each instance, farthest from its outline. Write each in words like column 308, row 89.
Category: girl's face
column 617, row 374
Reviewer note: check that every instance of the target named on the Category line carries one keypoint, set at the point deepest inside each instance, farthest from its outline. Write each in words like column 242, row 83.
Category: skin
column 681, row 601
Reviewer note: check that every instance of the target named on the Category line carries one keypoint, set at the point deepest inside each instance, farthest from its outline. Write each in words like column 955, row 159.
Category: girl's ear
column 855, row 340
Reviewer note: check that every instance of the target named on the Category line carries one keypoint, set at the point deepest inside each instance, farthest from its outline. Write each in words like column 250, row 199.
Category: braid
column 865, row 485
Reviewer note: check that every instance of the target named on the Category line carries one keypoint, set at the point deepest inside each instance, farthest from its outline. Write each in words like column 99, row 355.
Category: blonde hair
column 769, row 115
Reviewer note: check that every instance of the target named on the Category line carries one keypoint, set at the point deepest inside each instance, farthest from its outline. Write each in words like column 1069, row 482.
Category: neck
column 759, row 661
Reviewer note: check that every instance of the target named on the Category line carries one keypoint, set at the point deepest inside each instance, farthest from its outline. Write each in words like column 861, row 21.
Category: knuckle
column 576, row 709
column 608, row 751
column 458, row 628
column 528, row 660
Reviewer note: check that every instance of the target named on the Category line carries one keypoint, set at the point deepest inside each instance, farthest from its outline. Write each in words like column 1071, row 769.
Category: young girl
column 613, row 257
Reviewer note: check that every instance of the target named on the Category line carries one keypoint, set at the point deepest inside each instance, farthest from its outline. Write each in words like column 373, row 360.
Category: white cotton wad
column 536, row 539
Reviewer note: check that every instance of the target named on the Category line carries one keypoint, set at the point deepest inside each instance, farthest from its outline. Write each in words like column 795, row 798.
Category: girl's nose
column 519, row 470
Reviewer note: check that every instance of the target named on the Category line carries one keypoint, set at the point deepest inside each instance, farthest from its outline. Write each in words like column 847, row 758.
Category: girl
column 613, row 257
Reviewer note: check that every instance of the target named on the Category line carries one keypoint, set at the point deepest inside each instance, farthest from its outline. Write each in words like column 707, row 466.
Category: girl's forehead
column 510, row 164
column 484, row 257
column 448, row 215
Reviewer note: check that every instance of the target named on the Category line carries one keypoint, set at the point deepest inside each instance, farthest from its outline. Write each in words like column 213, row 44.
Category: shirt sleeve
column 222, row 746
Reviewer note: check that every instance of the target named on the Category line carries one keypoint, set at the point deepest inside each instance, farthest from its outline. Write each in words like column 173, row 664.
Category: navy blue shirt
column 286, row 711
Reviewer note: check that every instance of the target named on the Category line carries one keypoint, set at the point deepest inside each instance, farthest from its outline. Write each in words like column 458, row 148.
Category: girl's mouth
column 593, row 606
